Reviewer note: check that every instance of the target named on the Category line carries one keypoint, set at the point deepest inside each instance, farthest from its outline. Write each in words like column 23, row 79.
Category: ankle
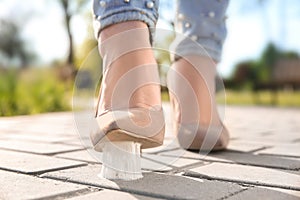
column 121, row 27
column 123, row 38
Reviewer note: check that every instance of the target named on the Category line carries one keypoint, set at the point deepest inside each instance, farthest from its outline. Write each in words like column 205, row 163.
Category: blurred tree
column 267, row 62
column 12, row 45
column 70, row 8
column 167, row 17
column 245, row 74
column 162, row 55
column 290, row 55
column 257, row 72
column 88, row 44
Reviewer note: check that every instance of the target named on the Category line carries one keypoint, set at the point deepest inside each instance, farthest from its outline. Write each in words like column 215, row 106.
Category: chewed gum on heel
column 121, row 136
column 121, row 160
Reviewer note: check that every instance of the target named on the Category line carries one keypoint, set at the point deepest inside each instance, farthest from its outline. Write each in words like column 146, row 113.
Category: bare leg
column 129, row 113
column 146, row 96
column 129, row 90
column 202, row 31
column 203, row 85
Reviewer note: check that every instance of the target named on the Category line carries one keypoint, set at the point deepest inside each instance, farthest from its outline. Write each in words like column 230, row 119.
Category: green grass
column 32, row 91
column 165, row 96
column 284, row 98
column 39, row 90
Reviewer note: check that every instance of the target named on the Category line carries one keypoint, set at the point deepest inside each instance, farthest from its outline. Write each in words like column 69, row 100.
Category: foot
column 197, row 121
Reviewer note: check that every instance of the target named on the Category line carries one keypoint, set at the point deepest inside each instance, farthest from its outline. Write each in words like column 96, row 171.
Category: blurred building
column 287, row 73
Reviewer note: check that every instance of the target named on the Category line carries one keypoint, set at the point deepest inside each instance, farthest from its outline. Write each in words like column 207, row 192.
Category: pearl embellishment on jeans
column 126, row 1
column 187, row 25
column 180, row 16
column 150, row 4
column 211, row 14
column 102, row 3
column 194, row 37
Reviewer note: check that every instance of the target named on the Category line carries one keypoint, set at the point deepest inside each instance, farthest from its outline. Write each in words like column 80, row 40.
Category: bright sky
column 250, row 27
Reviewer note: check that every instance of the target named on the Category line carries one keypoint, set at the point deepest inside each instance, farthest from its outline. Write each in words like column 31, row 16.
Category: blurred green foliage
column 246, row 97
column 250, row 73
column 31, row 91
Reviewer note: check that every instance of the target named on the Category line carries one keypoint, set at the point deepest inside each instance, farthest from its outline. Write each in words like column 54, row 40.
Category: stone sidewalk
column 41, row 157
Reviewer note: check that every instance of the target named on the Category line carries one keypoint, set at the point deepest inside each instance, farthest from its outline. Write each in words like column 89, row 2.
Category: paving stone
column 234, row 146
column 266, row 194
column 292, row 150
column 169, row 144
column 93, row 158
column 17, row 186
column 253, row 159
column 248, row 174
column 73, row 142
column 287, row 138
column 112, row 195
column 171, row 161
column 240, row 158
column 204, row 156
column 279, row 132
column 244, row 123
column 151, row 165
column 96, row 157
column 30, row 163
column 36, row 147
column 297, row 140
column 35, row 138
column 241, row 146
column 83, row 155
column 181, row 153
column 64, row 124
column 155, row 184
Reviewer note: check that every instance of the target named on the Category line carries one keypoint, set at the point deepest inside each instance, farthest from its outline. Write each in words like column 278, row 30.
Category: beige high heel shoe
column 194, row 136
column 137, row 121
column 127, row 121
column 191, row 133
column 129, row 112
column 141, row 125
column 122, row 133
column 120, row 119
column 197, row 137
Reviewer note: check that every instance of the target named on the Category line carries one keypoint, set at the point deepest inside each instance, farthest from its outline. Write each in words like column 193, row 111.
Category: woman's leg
column 196, row 55
column 122, row 30
column 129, row 98
column 129, row 112
column 130, row 53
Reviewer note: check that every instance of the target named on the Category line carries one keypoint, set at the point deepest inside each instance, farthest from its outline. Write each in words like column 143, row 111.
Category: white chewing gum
column 121, row 160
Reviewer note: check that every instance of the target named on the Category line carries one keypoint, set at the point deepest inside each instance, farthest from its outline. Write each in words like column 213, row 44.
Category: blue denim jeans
column 200, row 24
